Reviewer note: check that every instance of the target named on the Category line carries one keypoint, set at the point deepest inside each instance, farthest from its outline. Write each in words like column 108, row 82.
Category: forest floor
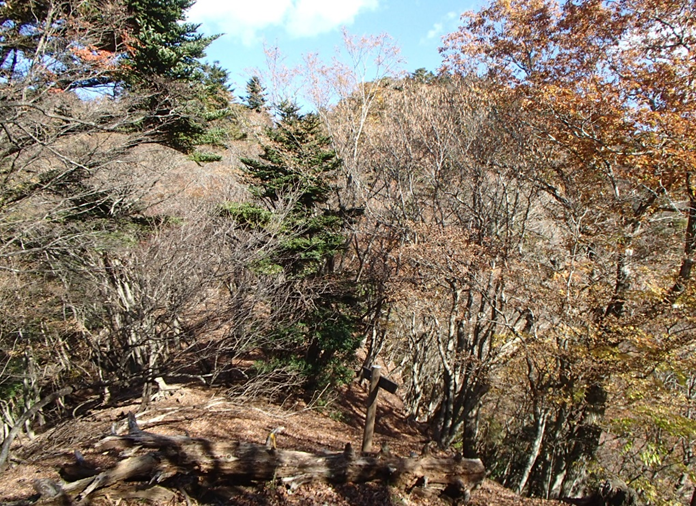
column 203, row 412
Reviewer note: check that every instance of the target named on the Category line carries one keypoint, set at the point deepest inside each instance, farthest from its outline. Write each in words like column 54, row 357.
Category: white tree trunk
column 534, row 450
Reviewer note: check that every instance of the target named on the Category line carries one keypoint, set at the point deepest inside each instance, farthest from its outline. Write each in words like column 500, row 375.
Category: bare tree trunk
column 622, row 285
column 585, row 438
column 534, row 451
column 470, row 432
column 689, row 242
column 554, row 463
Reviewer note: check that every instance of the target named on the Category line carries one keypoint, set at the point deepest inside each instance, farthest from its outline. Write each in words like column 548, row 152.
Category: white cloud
column 311, row 17
column 447, row 24
column 244, row 19
column 435, row 31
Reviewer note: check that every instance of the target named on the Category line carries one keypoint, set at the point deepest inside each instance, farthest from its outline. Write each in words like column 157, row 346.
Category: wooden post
column 371, row 409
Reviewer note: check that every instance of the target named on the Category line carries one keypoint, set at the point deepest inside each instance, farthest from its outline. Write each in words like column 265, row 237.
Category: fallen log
column 241, row 462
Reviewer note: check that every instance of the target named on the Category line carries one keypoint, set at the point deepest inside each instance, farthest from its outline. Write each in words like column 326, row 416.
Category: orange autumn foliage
column 97, row 57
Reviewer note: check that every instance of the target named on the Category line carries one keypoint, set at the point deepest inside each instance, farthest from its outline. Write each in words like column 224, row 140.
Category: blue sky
column 298, row 27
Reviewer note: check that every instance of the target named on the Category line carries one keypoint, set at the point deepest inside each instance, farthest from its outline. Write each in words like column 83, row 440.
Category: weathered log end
column 452, row 478
column 46, row 488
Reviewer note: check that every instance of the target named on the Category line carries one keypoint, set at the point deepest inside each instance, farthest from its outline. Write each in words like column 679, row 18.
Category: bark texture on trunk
column 241, row 462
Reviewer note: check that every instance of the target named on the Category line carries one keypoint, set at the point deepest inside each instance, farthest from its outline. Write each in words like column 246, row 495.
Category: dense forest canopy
column 513, row 238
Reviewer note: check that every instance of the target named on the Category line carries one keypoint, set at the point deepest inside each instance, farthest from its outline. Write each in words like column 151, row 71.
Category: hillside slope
column 211, row 414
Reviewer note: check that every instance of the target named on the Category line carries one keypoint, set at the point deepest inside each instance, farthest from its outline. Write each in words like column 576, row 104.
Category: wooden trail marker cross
column 377, row 381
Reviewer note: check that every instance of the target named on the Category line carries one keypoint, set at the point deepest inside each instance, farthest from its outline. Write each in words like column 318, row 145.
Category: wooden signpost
column 377, row 381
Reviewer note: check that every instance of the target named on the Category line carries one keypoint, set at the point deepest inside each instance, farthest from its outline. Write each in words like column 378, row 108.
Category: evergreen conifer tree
column 256, row 98
column 295, row 170
column 142, row 48
column 294, row 176
column 165, row 45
